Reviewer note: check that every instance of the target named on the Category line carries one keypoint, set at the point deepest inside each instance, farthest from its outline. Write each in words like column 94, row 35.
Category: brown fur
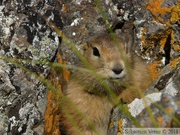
column 86, row 90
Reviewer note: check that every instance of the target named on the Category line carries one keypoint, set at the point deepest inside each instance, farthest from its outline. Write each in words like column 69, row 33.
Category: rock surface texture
column 25, row 38
column 30, row 35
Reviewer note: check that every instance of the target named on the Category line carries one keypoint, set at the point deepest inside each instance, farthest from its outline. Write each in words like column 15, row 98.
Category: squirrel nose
column 117, row 70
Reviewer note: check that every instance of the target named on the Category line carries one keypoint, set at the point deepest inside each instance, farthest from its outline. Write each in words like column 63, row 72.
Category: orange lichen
column 173, row 63
column 144, row 30
column 52, row 113
column 176, row 47
column 143, row 39
column 169, row 110
column 177, row 102
column 154, row 71
column 166, row 99
column 172, row 37
column 66, row 72
column 110, row 125
column 120, row 126
column 60, row 61
column 160, row 121
column 161, row 37
column 51, row 126
column 164, row 37
column 169, row 125
column 155, row 7
column 162, row 43
column 175, row 14
column 64, row 9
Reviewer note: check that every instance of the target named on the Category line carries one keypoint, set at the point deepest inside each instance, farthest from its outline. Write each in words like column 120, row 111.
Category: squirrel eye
column 96, row 52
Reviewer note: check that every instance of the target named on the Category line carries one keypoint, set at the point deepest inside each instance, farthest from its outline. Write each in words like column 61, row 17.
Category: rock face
column 24, row 40
column 28, row 38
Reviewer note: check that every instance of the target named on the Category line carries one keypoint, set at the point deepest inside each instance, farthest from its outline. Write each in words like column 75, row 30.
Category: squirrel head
column 108, row 56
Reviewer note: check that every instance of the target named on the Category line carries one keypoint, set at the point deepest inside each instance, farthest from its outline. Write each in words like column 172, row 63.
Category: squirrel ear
column 129, row 43
column 126, row 32
column 129, row 40
column 89, row 44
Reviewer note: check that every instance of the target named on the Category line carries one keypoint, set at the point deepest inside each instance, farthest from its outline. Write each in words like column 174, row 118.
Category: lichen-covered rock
column 83, row 19
column 164, row 103
column 26, row 42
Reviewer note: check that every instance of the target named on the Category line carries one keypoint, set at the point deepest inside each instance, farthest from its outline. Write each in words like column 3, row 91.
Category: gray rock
column 27, row 42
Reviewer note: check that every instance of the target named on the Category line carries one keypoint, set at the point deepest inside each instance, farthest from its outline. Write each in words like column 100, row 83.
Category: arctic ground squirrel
column 114, row 73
